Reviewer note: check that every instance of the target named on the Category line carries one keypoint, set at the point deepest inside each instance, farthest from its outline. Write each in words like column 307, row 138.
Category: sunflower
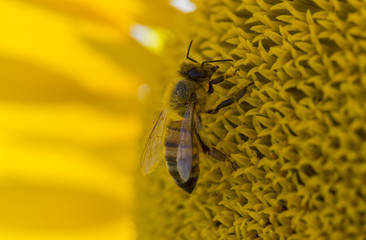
column 298, row 135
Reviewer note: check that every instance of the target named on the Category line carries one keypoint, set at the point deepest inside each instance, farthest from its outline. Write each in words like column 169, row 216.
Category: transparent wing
column 154, row 150
column 185, row 147
column 201, row 133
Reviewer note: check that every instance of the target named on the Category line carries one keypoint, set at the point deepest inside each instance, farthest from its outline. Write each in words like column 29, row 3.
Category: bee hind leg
column 220, row 156
column 217, row 154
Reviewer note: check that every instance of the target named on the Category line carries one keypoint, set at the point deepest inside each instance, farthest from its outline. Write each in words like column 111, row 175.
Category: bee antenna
column 211, row 61
column 189, row 48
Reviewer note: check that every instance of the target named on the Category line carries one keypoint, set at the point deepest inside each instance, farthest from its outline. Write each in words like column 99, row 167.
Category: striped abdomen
column 171, row 150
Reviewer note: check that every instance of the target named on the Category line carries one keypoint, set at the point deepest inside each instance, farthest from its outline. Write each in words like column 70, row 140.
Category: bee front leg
column 229, row 101
column 218, row 80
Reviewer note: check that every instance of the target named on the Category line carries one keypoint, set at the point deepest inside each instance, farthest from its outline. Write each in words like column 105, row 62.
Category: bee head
column 197, row 72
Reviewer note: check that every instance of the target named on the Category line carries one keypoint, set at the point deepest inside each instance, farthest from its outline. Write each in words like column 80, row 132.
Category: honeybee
column 178, row 129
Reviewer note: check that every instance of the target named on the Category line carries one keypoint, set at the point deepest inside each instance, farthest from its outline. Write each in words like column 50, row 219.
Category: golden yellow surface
column 71, row 122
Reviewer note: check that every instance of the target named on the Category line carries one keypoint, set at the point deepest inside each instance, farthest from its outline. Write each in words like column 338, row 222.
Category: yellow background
column 69, row 74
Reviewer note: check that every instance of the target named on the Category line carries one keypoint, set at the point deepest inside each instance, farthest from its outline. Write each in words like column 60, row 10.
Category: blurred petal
column 61, row 51
column 69, row 125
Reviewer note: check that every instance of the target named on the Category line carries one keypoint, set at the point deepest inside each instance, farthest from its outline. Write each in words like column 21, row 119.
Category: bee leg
column 218, row 80
column 216, row 154
column 220, row 156
column 225, row 103
column 229, row 101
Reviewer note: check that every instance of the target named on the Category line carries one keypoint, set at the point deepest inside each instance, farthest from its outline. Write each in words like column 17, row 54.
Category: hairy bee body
column 185, row 92
column 177, row 135
column 182, row 140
